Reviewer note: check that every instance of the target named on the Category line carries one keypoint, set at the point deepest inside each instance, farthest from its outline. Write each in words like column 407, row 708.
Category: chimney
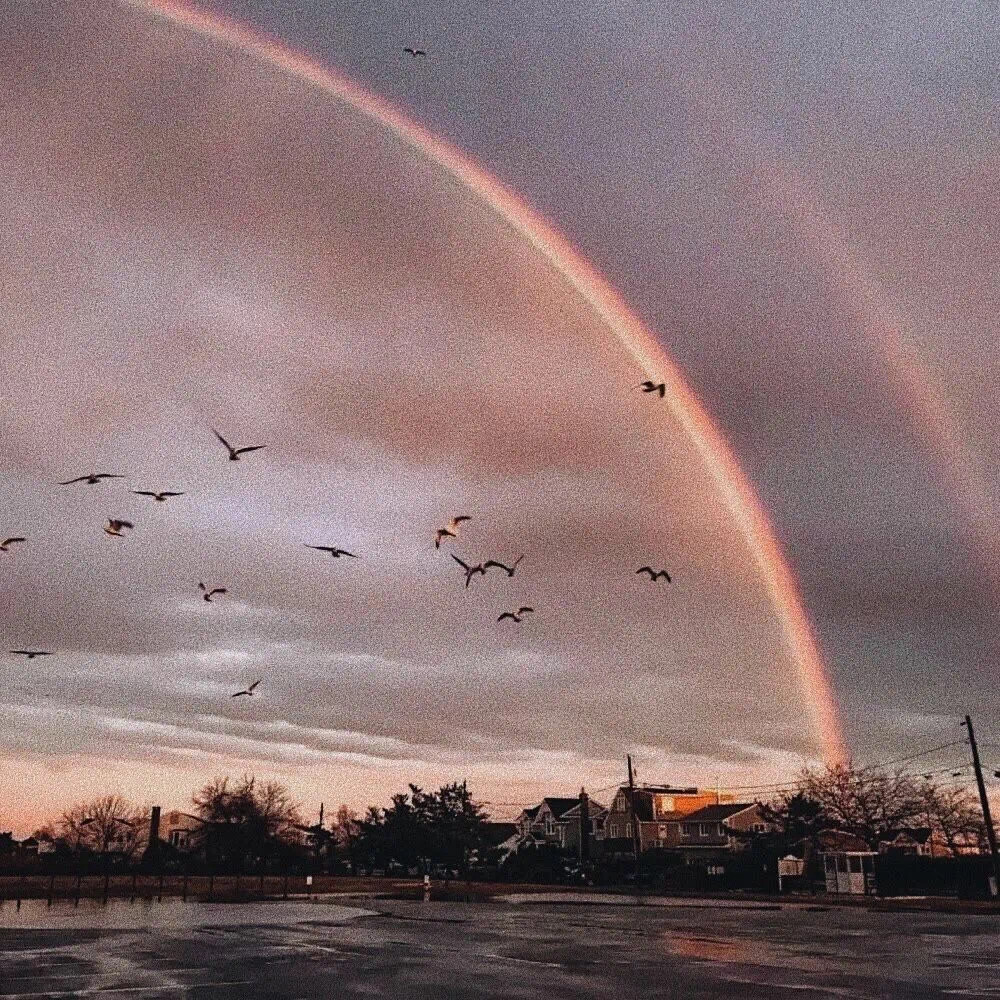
column 151, row 856
column 154, row 827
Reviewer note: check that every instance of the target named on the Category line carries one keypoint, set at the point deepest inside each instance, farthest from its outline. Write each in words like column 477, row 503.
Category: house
column 525, row 822
column 916, row 841
column 569, row 827
column 180, row 829
column 556, row 821
column 716, row 829
column 659, row 812
column 29, row 847
column 550, row 818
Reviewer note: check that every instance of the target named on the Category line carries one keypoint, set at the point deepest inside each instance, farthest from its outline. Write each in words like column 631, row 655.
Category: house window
column 628, row 829
column 705, row 829
column 759, row 828
column 666, row 803
column 548, row 825
column 687, row 829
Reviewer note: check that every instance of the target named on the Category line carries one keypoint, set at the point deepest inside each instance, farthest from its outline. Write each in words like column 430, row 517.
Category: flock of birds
column 117, row 525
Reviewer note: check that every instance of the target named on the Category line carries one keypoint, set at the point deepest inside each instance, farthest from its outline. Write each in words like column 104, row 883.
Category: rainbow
column 736, row 490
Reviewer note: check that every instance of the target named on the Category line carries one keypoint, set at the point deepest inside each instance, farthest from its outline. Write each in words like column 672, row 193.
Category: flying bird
column 93, row 479
column 10, row 541
column 660, row 387
column 208, row 593
column 470, row 571
column 509, row 570
column 31, row 653
column 335, row 552
column 414, row 52
column 451, row 531
column 516, row 616
column 115, row 527
column 655, row 575
column 234, row 453
column 248, row 692
column 158, row 497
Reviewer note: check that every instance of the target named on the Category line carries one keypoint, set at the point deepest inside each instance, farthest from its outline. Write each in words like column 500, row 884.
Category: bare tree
column 109, row 824
column 246, row 820
column 345, row 827
column 954, row 815
column 868, row 803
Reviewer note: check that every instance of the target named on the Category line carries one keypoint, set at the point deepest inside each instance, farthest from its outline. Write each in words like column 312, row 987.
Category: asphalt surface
column 377, row 947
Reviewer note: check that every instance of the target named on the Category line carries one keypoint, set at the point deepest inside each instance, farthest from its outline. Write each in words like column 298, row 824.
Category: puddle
column 745, row 951
column 120, row 914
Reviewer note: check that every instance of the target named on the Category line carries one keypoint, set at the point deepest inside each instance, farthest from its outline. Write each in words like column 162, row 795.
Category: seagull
column 336, row 553
column 248, row 692
column 414, row 52
column 234, row 453
column 158, row 497
column 31, row 653
column 515, row 616
column 469, row 570
column 451, row 531
column 93, row 479
column 10, row 541
column 208, row 593
column 115, row 527
column 648, row 386
column 655, row 575
column 509, row 570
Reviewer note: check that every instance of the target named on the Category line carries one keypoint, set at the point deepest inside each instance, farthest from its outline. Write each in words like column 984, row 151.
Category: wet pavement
column 375, row 947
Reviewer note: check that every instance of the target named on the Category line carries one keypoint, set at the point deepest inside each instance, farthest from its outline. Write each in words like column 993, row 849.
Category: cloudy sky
column 800, row 206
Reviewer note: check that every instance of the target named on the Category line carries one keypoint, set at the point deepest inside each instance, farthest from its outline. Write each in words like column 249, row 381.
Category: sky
column 799, row 206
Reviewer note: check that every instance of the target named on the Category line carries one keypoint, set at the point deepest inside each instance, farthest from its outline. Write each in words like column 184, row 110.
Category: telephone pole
column 991, row 834
column 636, row 841
column 584, row 827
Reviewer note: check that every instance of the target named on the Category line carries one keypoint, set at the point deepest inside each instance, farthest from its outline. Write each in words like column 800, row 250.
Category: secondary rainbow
column 733, row 485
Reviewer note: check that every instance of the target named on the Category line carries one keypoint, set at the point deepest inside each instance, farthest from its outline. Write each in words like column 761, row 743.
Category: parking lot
column 329, row 948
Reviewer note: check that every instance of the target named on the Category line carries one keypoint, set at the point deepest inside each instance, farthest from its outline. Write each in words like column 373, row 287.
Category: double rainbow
column 739, row 496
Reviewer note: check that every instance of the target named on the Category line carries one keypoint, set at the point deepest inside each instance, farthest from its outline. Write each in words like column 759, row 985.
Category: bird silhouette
column 335, row 552
column 248, row 691
column 158, row 497
column 660, row 387
column 414, row 52
column 654, row 574
column 234, row 453
column 516, row 616
column 115, row 527
column 470, row 571
column 93, row 479
column 10, row 541
column 451, row 531
column 208, row 593
column 509, row 570
column 31, row 653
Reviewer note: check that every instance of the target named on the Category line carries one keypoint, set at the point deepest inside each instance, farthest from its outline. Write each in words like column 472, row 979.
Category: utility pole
column 636, row 840
column 584, row 827
column 991, row 834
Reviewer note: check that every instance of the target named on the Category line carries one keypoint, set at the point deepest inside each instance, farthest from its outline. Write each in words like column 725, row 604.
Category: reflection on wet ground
column 316, row 950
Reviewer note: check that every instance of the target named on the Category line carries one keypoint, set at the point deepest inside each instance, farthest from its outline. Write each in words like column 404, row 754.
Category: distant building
column 715, row 829
column 917, row 841
column 659, row 812
column 179, row 829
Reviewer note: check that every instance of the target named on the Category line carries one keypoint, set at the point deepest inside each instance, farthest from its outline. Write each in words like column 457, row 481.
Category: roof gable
column 718, row 814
